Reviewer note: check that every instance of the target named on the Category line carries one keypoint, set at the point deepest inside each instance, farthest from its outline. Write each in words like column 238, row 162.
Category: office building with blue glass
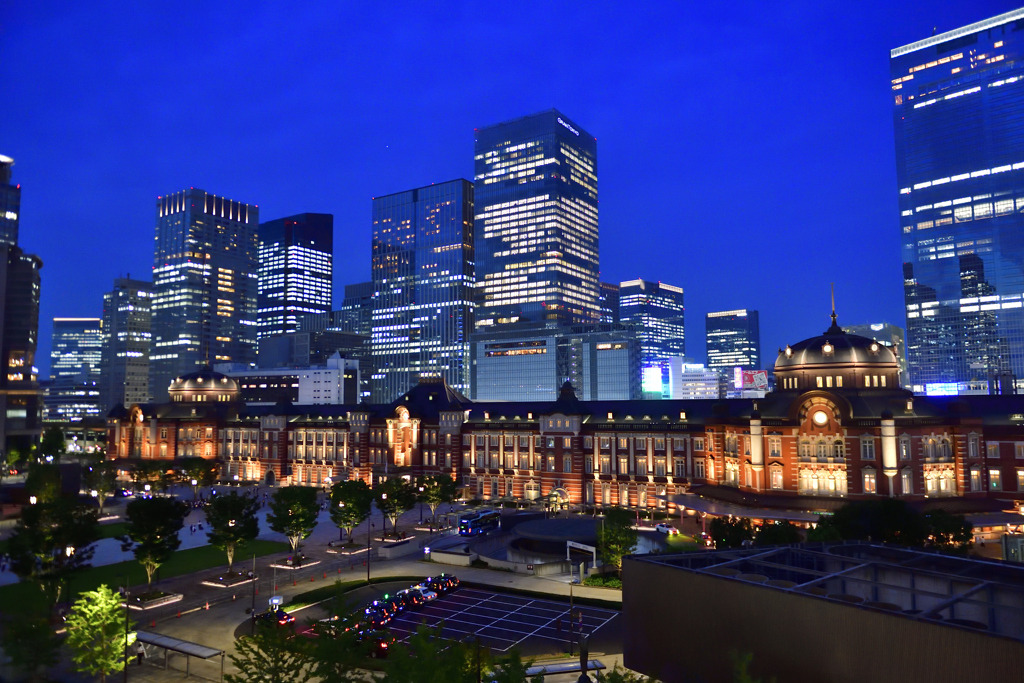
column 423, row 287
column 536, row 222
column 204, row 285
column 296, row 274
column 733, row 341
column 656, row 310
column 958, row 112
column 10, row 203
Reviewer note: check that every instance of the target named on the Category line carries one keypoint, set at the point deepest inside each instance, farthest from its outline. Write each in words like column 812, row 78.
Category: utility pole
column 253, row 612
column 368, row 527
column 569, row 630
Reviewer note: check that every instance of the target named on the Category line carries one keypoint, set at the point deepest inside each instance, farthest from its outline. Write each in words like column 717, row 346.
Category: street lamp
column 384, row 520
column 341, row 532
column 421, row 505
column 195, row 483
column 32, row 500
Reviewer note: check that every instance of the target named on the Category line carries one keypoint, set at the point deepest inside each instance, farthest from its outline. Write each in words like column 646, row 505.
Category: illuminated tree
column 153, row 526
column 293, row 512
column 617, row 537
column 351, row 503
column 101, row 477
column 438, row 490
column 96, row 633
column 394, row 497
column 233, row 522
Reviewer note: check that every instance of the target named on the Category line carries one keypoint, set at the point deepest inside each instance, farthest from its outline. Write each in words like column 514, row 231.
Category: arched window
column 929, row 448
column 821, row 449
column 805, row 448
column 945, row 451
column 838, row 450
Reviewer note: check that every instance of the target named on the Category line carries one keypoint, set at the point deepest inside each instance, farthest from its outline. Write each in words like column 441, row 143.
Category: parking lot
column 502, row 621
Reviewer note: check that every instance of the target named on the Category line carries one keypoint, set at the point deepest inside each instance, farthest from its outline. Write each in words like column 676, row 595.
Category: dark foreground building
column 847, row 613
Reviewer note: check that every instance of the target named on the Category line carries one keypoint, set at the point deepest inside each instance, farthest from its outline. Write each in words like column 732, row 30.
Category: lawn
column 14, row 597
column 682, row 543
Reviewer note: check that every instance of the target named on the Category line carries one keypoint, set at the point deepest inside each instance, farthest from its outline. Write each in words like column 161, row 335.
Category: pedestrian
column 140, row 652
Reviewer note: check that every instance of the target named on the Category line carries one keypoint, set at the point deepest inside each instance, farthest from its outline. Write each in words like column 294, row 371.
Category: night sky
column 745, row 151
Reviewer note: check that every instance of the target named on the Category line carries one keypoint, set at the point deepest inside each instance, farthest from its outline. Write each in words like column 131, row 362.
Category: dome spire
column 834, row 329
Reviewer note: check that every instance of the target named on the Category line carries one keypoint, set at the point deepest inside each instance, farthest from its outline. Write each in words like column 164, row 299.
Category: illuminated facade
column 423, row 283
column 838, row 426
column 127, row 336
column 733, row 341
column 958, row 113
column 76, row 354
column 536, row 222
column 296, row 275
column 656, row 310
column 10, row 203
column 890, row 335
column 204, row 285
column 531, row 361
column 609, row 297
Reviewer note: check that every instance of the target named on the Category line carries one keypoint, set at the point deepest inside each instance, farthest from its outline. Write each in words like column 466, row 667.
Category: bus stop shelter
column 183, row 647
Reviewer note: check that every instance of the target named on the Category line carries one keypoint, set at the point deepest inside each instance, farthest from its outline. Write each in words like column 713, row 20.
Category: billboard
column 652, row 379
column 751, row 379
column 942, row 389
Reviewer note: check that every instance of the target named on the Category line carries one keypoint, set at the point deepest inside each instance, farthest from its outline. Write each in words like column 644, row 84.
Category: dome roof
column 836, row 347
column 204, row 381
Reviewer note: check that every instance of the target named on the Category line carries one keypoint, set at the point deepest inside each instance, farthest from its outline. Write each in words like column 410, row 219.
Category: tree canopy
column 777, row 533
column 153, row 526
column 438, row 490
column 52, row 446
column 101, row 477
column 271, row 655
column 394, row 497
column 51, row 542
column 891, row 520
column 293, row 512
column 96, row 633
column 351, row 503
column 616, row 537
column 233, row 522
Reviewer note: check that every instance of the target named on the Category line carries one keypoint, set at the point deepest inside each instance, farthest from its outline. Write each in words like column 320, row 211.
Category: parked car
column 424, row 592
column 377, row 643
column 337, row 625
column 442, row 583
column 278, row 616
column 666, row 529
column 411, row 596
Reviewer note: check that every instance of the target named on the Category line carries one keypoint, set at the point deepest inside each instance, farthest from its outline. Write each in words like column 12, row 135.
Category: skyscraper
column 295, row 270
column 733, row 341
column 10, row 203
column 204, row 285
column 889, row 335
column 357, row 308
column 423, row 280
column 73, row 392
column 656, row 310
column 127, row 335
column 20, row 395
column 609, row 298
column 536, row 221
column 960, row 165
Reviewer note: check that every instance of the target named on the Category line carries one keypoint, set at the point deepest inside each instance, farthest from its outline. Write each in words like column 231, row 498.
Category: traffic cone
column 179, row 614
column 233, row 598
column 325, row 575
column 207, row 606
column 294, row 583
column 257, row 590
column 311, row 579
column 339, row 570
column 152, row 623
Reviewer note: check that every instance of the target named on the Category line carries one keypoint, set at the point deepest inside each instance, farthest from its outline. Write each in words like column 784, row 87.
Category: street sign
column 580, row 546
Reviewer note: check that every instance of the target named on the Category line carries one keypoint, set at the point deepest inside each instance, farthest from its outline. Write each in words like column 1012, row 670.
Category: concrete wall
column 679, row 624
column 393, row 550
column 456, row 559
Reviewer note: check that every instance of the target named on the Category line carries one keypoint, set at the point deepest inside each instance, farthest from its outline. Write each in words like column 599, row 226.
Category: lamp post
column 341, row 532
column 383, row 521
column 195, row 485
column 421, row 505
column 32, row 500
column 369, row 526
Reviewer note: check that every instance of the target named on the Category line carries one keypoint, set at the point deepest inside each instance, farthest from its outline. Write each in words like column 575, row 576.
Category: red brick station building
column 838, row 426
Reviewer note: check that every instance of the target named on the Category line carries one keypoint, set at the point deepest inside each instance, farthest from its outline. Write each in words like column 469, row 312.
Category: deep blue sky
column 745, row 150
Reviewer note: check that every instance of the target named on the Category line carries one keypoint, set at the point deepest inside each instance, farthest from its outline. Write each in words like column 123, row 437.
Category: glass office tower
column 75, row 355
column 656, row 309
column 423, row 281
column 733, row 341
column 10, row 203
column 127, row 335
column 296, row 274
column 204, row 285
column 536, row 221
column 959, row 121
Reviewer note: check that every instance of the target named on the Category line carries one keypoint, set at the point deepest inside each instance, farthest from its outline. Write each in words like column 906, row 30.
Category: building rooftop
column 983, row 25
column 979, row 595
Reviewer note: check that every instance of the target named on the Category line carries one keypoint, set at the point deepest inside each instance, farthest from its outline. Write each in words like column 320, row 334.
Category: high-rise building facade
column 958, row 98
column 608, row 295
column 10, row 203
column 733, row 341
column 531, row 362
column 889, row 335
column 423, row 280
column 656, row 311
column 536, row 222
column 73, row 392
column 20, row 394
column 127, row 335
column 204, row 285
column 356, row 313
column 295, row 271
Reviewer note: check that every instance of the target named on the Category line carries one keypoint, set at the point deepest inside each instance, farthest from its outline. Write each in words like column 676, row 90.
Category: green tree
column 293, row 512
column 337, row 657
column 438, row 490
column 621, row 675
column 52, row 446
column 512, row 668
column 351, row 503
column 7, row 461
column 450, row 661
column 51, row 542
column 271, row 655
column 233, row 522
column 30, row 642
column 202, row 470
column 43, row 482
column 777, row 533
column 889, row 520
column 96, row 633
column 101, row 477
column 153, row 526
column 730, row 533
column 949, row 532
column 616, row 537
column 394, row 497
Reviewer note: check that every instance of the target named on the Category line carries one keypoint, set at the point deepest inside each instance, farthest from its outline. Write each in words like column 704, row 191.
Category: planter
column 152, row 599
column 347, row 549
column 227, row 580
column 283, row 564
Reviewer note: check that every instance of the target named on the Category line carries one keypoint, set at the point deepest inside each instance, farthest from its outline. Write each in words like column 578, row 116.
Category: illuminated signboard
column 652, row 379
column 568, row 126
column 941, row 389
